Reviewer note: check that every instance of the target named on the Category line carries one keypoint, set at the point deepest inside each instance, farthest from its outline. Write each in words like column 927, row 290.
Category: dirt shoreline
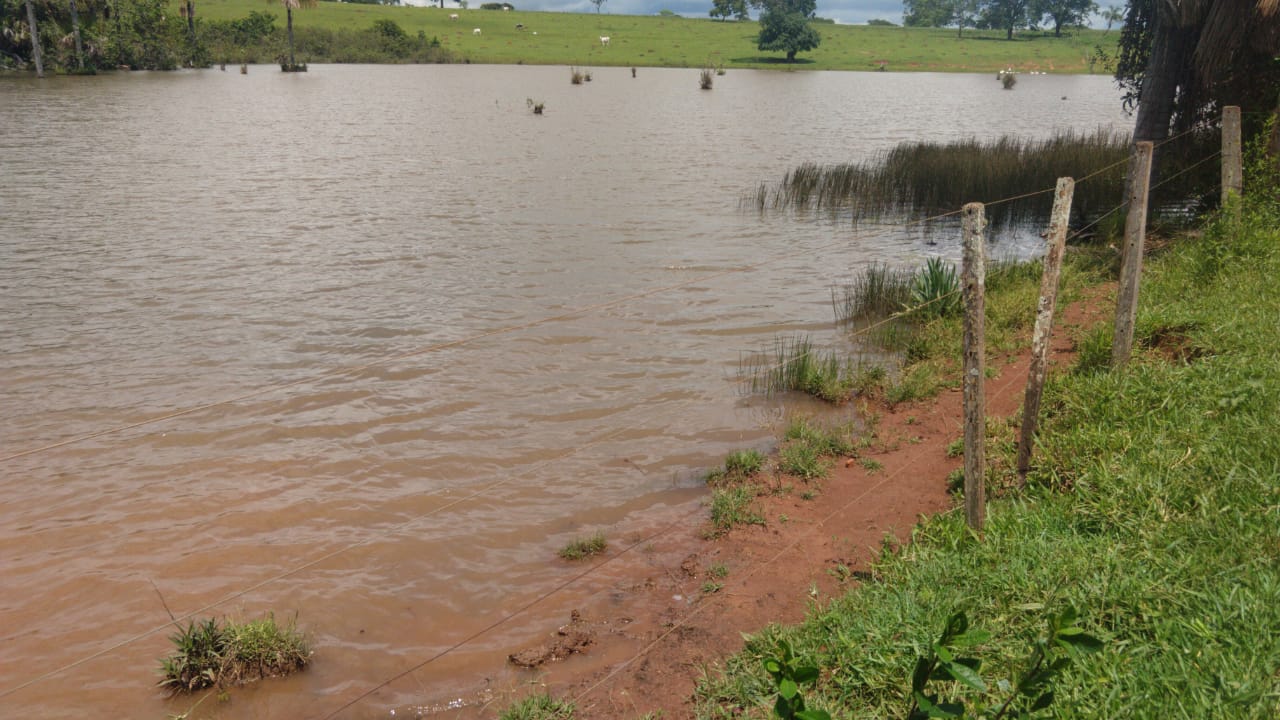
column 639, row 646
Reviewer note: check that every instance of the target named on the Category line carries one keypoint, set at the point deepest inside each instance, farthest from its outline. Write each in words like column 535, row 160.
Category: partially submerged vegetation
column 928, row 182
column 1152, row 509
column 210, row 653
column 584, row 547
column 916, row 179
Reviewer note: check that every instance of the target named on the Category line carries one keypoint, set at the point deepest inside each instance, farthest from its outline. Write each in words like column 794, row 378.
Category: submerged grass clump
column 877, row 291
column 538, row 707
column 580, row 548
column 212, row 653
column 794, row 365
column 738, row 465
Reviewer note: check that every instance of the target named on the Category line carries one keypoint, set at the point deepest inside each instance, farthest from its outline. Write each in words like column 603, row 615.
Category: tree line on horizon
column 1009, row 16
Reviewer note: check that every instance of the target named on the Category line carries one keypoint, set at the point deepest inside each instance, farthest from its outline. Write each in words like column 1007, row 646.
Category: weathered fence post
column 1232, row 165
column 1135, row 233
column 973, row 283
column 1044, row 321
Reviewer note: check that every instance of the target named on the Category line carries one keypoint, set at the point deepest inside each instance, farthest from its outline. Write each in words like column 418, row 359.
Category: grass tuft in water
column 580, row 548
column 209, row 653
column 538, row 707
column 795, row 365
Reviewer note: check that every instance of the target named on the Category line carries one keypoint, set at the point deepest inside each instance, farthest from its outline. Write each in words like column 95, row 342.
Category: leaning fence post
column 1135, row 232
column 1232, row 166
column 973, row 282
column 1044, row 321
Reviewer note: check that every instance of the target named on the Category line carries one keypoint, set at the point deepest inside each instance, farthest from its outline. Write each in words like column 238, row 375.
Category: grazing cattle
column 519, row 26
column 604, row 41
column 476, row 31
column 454, row 16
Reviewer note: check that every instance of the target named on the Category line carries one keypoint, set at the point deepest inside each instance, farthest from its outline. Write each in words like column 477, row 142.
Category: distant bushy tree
column 1007, row 15
column 784, row 26
column 1062, row 13
column 725, row 9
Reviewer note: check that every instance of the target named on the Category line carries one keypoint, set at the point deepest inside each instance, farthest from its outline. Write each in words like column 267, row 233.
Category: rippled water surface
column 370, row 344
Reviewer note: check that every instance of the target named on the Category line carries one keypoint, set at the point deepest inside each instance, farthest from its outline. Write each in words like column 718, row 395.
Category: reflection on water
column 292, row 262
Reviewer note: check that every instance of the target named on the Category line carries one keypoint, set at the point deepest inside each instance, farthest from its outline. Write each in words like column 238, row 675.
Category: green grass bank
column 1154, row 511
column 672, row 41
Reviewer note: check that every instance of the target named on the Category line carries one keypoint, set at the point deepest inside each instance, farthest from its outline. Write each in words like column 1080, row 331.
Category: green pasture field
column 673, row 41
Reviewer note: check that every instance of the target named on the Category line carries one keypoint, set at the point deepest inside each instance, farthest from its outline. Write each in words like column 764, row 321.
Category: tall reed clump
column 880, row 291
column 795, row 365
column 706, row 79
column 576, row 76
column 212, row 653
column 928, row 178
column 877, row 291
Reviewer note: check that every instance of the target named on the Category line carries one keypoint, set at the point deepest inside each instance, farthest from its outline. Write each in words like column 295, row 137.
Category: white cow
column 454, row 16
column 604, row 41
column 476, row 31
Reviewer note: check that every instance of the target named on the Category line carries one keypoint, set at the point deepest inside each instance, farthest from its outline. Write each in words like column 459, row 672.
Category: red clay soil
column 640, row 647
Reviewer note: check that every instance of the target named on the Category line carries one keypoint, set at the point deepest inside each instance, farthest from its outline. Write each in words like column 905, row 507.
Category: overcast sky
column 853, row 12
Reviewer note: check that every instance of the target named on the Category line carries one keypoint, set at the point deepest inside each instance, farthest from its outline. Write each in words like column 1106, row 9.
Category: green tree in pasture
column 598, row 3
column 289, row 7
column 941, row 13
column 1062, row 13
column 784, row 26
column 928, row 13
column 725, row 9
column 1007, row 15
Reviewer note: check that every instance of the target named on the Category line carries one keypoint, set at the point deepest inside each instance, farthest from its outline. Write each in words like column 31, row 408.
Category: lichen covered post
column 1232, row 164
column 1044, row 321
column 973, row 284
column 1135, row 234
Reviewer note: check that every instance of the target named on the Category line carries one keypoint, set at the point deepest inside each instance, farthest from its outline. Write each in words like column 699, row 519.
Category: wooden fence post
column 1232, row 165
column 1044, row 321
column 1135, row 233
column 973, row 283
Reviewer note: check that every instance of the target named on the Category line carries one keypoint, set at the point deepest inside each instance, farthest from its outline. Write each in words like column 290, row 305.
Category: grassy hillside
column 671, row 41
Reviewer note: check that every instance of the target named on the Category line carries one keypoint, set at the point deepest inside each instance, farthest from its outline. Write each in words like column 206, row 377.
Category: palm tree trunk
column 1160, row 81
column 289, row 14
column 75, row 29
column 35, row 40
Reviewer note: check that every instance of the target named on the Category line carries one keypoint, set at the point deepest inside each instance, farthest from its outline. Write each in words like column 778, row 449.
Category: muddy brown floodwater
column 368, row 345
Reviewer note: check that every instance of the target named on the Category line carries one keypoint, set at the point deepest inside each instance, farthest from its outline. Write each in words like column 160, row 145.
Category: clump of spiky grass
column 738, row 465
column 706, row 79
column 808, row 448
column 576, row 76
column 935, row 290
column 585, row 547
column 734, row 506
column 209, row 653
column 538, row 707
column 877, row 291
column 794, row 365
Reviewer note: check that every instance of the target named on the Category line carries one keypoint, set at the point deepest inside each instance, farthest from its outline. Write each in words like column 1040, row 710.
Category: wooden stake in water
column 1135, row 234
column 1044, row 321
column 1232, row 164
column 973, row 279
